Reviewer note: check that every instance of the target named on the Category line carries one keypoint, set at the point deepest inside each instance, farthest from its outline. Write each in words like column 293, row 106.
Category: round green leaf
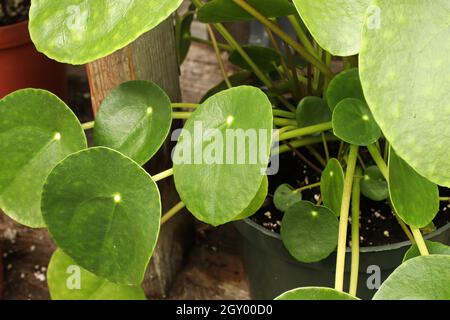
column 374, row 186
column 68, row 281
column 183, row 34
column 37, row 130
column 414, row 198
column 409, row 97
column 335, row 25
column 285, row 196
column 135, row 119
column 345, row 85
column 309, row 232
column 221, row 157
column 77, row 32
column 433, row 248
column 315, row 293
column 312, row 111
column 267, row 59
column 103, row 210
column 257, row 201
column 353, row 122
column 227, row 11
column 421, row 278
column 332, row 186
column 237, row 79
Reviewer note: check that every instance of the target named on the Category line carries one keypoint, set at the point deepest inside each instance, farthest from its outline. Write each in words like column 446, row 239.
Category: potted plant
column 104, row 211
column 21, row 65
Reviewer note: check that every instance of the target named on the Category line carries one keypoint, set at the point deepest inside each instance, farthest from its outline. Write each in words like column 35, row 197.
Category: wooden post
column 151, row 57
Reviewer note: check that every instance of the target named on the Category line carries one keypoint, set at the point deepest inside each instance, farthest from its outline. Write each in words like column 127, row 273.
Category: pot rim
column 14, row 35
column 385, row 247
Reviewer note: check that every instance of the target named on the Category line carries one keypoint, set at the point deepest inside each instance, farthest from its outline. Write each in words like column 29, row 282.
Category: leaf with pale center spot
column 332, row 186
column 414, row 198
column 135, row 119
column 312, row 111
column 315, row 293
column 373, row 185
column 353, row 122
column 285, row 196
column 335, row 24
column 309, row 232
column 68, row 281
column 421, row 278
column 345, row 85
column 103, row 210
column 37, row 130
column 77, row 32
column 218, row 173
column 405, row 75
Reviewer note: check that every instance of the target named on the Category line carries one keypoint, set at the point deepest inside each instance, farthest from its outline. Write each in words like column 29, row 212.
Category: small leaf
column 227, row 11
column 257, row 201
column 335, row 25
column 225, row 149
column 78, row 32
column 134, row 119
column 374, row 186
column 410, row 97
column 68, row 281
column 353, row 123
column 37, row 130
column 237, row 79
column 433, row 248
column 312, row 111
column 315, row 293
column 309, row 232
column 332, row 186
column 345, row 85
column 103, row 210
column 421, row 278
column 414, row 198
column 267, row 59
column 285, row 196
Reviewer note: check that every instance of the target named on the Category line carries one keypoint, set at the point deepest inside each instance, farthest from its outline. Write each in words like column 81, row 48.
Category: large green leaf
column 374, row 186
column 433, row 248
column 332, row 186
column 336, row 25
column 37, row 130
column 404, row 72
column 285, row 196
column 79, row 31
column 103, row 210
column 68, row 281
column 415, row 199
column 227, row 11
column 345, row 85
column 309, row 232
column 312, row 111
column 222, row 154
column 315, row 293
column 267, row 59
column 135, row 119
column 257, row 201
column 422, row 278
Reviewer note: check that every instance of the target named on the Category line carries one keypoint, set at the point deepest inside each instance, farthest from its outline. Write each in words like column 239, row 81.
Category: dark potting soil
column 378, row 226
column 13, row 11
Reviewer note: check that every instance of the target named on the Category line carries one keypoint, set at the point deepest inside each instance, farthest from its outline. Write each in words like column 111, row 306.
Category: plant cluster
column 103, row 210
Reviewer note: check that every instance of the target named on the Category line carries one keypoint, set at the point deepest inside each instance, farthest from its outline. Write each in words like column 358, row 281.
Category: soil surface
column 378, row 226
column 13, row 11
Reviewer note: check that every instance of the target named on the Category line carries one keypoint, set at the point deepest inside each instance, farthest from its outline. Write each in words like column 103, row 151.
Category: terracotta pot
column 22, row 66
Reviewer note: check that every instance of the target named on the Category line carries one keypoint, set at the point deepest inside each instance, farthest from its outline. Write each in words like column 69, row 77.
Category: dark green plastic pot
column 271, row 270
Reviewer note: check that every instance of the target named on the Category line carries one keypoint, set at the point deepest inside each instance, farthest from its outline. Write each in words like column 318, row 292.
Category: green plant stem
column 317, row 155
column 172, row 212
column 376, row 156
column 219, row 58
column 343, row 220
column 308, row 187
column 318, row 128
column 88, row 125
column 221, row 46
column 325, row 146
column 356, row 196
column 303, row 158
column 181, row 115
column 185, row 105
column 301, row 143
column 162, row 175
column 302, row 36
column 420, row 242
column 284, row 122
column 444, row 198
column 284, row 36
column 283, row 113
